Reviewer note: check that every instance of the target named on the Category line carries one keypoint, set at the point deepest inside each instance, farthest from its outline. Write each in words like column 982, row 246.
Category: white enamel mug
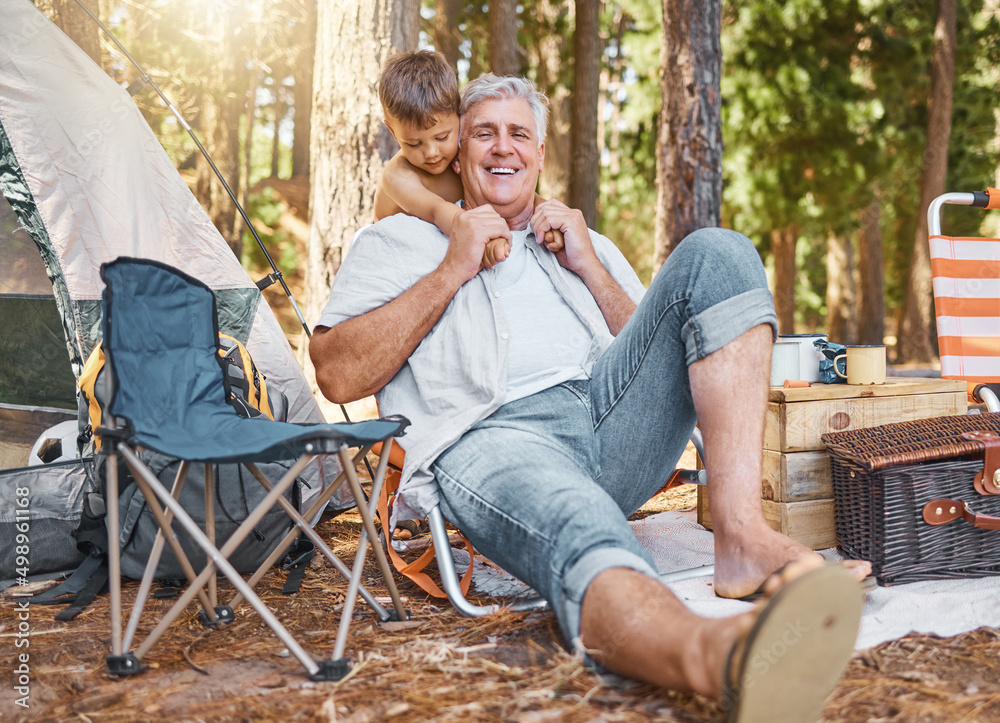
column 784, row 362
column 809, row 355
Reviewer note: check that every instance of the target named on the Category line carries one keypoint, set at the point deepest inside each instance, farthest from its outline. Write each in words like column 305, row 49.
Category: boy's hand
column 497, row 250
column 553, row 240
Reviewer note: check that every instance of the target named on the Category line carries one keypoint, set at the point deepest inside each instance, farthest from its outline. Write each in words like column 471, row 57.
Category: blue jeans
column 544, row 486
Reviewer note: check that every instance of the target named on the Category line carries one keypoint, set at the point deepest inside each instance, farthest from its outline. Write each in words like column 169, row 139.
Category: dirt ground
column 437, row 666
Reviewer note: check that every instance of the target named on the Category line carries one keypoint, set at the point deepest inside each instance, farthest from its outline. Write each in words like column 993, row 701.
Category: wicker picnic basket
column 915, row 500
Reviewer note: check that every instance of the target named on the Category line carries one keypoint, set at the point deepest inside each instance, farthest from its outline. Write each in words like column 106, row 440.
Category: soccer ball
column 56, row 444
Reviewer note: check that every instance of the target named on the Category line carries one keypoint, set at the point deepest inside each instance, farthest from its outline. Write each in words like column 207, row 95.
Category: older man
column 550, row 397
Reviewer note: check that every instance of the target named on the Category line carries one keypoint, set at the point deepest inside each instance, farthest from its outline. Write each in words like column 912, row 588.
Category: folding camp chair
column 966, row 275
column 166, row 393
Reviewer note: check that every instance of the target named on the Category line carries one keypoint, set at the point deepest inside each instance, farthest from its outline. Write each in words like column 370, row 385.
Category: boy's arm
column 404, row 187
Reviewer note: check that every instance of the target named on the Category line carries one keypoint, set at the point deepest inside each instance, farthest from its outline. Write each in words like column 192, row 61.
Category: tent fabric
column 185, row 414
column 89, row 182
column 34, row 366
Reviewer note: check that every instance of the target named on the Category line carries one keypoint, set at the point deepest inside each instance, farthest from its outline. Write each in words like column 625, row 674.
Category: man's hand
column 472, row 231
column 576, row 252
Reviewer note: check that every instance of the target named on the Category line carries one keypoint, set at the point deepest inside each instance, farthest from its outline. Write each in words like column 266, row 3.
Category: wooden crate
column 796, row 477
column 797, row 418
column 796, row 486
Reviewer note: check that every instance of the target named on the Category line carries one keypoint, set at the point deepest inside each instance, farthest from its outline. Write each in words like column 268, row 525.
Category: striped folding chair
column 966, row 275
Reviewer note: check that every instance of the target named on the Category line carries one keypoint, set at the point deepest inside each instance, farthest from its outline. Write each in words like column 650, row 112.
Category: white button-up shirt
column 457, row 375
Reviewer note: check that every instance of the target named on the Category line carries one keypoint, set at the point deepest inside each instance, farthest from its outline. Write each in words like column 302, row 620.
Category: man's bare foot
column 744, row 559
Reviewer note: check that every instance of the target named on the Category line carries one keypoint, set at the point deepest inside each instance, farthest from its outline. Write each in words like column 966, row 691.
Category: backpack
column 246, row 386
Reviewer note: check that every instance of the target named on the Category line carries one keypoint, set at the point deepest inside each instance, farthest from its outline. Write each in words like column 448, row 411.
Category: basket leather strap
column 941, row 512
column 987, row 482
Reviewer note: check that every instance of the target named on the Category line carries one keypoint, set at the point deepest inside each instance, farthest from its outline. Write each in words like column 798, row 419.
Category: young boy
column 419, row 96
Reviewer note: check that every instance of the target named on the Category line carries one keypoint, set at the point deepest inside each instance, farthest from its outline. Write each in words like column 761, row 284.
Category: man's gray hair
column 494, row 87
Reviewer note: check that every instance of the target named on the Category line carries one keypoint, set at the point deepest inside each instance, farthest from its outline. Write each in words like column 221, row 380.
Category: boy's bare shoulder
column 447, row 184
column 384, row 204
column 399, row 174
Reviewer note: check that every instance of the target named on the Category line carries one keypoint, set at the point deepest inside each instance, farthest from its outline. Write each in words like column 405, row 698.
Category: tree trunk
column 841, row 321
column 76, row 23
column 554, row 182
column 871, row 292
column 585, row 171
column 689, row 142
column 279, row 113
column 250, row 120
column 219, row 123
column 220, row 117
column 915, row 340
column 504, row 51
column 447, row 39
column 783, row 249
column 350, row 144
column 302, row 95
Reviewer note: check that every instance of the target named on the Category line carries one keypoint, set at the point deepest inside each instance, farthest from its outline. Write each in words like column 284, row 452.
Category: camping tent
column 84, row 180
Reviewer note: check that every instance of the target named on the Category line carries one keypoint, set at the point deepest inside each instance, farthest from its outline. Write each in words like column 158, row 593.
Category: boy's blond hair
column 418, row 87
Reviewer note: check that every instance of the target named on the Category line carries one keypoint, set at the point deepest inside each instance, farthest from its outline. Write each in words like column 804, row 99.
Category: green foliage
column 791, row 116
column 826, row 108
column 265, row 209
column 260, row 154
column 627, row 202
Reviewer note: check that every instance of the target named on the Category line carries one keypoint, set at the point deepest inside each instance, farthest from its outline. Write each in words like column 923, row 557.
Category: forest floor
column 437, row 666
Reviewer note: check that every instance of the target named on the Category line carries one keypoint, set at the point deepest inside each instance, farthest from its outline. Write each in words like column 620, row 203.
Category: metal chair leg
column 449, row 576
column 301, row 525
column 289, row 538
column 217, row 559
column 114, row 557
column 986, row 395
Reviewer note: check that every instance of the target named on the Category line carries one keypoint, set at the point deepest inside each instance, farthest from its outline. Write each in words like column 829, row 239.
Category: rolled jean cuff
column 578, row 580
column 723, row 322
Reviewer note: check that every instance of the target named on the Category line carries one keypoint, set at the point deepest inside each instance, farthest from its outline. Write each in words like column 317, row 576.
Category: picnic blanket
column 677, row 542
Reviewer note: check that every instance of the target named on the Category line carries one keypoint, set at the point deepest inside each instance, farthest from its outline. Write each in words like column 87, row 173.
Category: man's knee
column 724, row 245
column 717, row 258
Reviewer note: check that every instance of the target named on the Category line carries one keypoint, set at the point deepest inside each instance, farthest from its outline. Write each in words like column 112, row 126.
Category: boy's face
column 431, row 149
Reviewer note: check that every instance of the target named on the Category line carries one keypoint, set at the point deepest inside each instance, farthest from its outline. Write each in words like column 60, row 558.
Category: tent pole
column 134, row 88
column 276, row 275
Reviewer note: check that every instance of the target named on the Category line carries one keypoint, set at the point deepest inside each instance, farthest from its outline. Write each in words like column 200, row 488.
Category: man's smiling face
column 500, row 158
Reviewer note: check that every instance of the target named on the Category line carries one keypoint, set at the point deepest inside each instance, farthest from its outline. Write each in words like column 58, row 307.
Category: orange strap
column 994, row 195
column 414, row 570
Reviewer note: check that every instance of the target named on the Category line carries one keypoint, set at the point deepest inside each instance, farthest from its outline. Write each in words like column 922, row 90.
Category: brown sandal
column 796, row 651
